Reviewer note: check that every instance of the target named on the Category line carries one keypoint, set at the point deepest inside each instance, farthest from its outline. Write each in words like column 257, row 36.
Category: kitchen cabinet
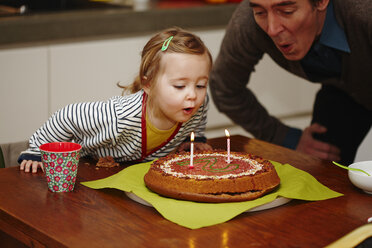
column 44, row 79
column 23, row 92
column 89, row 71
column 37, row 81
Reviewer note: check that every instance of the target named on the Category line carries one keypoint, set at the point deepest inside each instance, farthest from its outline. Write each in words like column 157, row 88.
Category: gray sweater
column 244, row 45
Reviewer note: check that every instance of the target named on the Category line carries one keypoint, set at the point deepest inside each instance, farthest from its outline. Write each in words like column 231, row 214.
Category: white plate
column 277, row 202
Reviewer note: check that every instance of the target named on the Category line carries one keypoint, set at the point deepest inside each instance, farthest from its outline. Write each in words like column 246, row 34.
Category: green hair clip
column 166, row 43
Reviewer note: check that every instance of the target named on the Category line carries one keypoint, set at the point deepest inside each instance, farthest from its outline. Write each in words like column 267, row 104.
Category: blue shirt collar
column 332, row 34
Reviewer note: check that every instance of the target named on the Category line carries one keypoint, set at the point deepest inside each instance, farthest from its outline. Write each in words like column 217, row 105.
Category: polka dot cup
column 60, row 161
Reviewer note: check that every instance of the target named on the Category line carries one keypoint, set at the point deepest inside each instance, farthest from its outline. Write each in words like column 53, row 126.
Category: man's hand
column 311, row 146
column 26, row 165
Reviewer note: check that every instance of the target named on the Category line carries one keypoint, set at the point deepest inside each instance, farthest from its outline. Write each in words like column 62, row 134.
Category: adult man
column 327, row 41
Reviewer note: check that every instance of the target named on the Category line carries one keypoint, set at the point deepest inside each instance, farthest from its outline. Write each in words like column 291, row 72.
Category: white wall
column 365, row 150
column 23, row 92
column 37, row 81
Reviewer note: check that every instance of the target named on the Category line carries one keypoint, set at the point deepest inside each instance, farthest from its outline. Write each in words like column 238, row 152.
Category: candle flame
column 227, row 133
column 192, row 137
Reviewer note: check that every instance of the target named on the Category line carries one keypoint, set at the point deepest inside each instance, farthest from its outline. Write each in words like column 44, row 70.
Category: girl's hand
column 198, row 146
column 27, row 164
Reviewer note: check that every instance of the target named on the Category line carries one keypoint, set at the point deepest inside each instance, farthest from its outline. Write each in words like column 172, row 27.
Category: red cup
column 60, row 160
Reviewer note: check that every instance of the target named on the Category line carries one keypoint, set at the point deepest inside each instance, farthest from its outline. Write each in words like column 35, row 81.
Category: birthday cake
column 212, row 178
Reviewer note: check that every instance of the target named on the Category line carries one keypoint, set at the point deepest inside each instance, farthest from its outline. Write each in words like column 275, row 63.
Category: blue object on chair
column 2, row 162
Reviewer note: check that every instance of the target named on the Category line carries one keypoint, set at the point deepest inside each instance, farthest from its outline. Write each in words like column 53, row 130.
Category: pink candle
column 228, row 145
column 192, row 150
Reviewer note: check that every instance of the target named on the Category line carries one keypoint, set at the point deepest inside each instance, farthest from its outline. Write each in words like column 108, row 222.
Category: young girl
column 167, row 103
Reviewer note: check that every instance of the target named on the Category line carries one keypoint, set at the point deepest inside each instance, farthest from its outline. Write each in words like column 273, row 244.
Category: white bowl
column 360, row 179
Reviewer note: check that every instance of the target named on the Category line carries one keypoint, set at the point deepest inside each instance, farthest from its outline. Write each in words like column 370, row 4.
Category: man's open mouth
column 285, row 48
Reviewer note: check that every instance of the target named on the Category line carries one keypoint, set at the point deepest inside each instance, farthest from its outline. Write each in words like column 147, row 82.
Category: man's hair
column 314, row 2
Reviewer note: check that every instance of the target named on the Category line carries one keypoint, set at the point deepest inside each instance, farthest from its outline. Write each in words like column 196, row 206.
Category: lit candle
column 228, row 145
column 192, row 150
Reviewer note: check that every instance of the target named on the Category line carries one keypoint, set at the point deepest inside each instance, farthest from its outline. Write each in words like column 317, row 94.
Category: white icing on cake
column 167, row 168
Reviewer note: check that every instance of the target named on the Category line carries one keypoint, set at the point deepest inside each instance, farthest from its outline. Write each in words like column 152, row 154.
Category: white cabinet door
column 23, row 92
column 216, row 120
column 89, row 71
column 283, row 93
column 35, row 82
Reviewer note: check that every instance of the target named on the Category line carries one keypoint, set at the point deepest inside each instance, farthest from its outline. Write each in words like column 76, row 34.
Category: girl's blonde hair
column 182, row 42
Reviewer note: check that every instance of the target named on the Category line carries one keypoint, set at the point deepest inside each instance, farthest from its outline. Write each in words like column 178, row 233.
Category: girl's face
column 179, row 88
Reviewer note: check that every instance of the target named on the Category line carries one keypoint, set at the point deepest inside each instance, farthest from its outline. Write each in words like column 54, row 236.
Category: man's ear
column 322, row 5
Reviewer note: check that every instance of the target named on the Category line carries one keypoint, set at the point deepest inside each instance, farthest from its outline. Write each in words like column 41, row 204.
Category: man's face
column 293, row 25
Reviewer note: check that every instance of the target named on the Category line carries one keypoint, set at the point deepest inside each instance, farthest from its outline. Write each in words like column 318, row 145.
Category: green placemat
column 294, row 184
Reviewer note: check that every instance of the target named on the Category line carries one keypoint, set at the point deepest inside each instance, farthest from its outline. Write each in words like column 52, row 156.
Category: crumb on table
column 107, row 161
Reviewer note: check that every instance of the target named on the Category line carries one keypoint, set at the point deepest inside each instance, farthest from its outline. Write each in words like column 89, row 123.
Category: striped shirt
column 111, row 128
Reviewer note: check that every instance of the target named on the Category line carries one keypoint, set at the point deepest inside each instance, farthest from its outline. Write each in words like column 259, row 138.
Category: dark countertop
column 79, row 25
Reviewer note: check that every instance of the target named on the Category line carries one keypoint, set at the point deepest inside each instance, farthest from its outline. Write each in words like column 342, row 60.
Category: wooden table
column 107, row 218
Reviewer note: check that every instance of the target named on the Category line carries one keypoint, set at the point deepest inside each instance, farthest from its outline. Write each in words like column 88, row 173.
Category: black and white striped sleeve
column 89, row 124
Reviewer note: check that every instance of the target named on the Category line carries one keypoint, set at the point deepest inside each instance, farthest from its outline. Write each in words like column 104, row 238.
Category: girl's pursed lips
column 188, row 110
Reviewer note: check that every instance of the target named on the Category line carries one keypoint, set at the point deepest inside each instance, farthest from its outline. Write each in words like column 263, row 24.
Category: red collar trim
column 143, row 126
column 144, row 132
